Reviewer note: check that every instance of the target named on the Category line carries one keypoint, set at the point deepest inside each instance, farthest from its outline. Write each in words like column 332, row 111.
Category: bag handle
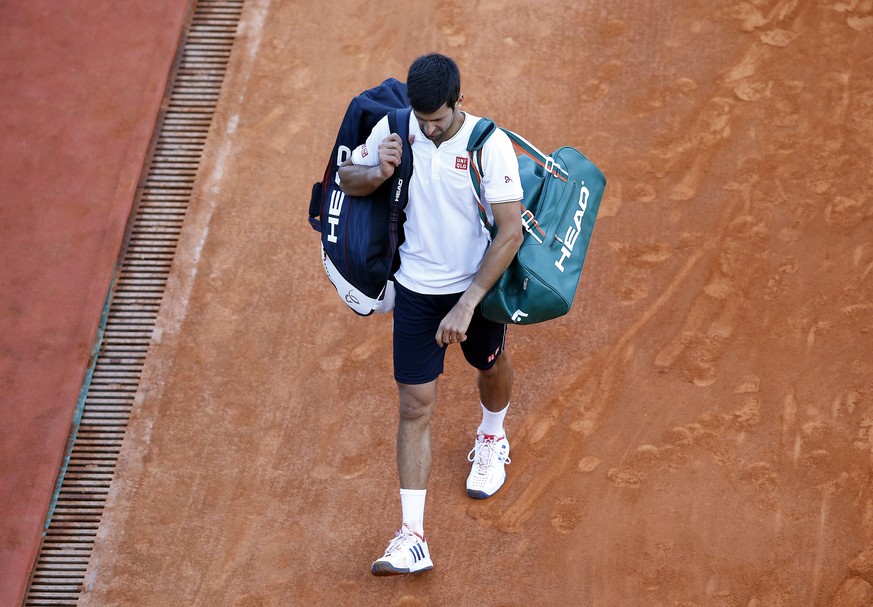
column 528, row 149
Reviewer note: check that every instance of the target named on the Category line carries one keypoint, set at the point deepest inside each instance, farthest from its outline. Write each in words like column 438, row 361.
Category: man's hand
column 390, row 153
column 453, row 328
column 363, row 180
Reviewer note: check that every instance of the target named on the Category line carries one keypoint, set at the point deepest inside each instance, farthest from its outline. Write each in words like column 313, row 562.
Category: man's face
column 440, row 125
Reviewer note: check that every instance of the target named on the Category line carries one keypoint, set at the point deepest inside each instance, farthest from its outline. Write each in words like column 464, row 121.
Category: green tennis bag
column 562, row 194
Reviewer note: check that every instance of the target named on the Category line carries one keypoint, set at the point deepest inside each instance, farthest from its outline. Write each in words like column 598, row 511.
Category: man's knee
column 417, row 401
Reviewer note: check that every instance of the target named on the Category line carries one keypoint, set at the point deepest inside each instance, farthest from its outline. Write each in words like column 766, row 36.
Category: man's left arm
column 507, row 218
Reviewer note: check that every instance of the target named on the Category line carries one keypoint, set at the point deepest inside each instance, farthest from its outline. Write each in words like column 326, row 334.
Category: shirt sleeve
column 367, row 153
column 501, row 182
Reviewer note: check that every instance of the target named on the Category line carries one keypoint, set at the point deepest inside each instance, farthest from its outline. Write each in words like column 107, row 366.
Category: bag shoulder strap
column 481, row 132
column 398, row 122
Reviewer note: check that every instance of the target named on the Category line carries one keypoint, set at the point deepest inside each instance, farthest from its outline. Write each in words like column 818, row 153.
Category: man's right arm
column 361, row 180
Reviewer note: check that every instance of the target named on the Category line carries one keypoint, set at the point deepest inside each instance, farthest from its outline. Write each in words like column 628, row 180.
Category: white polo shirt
column 445, row 239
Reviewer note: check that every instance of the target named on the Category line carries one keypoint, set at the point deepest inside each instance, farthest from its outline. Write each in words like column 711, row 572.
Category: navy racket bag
column 360, row 234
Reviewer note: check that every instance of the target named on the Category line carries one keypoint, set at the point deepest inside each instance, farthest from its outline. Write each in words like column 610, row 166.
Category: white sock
column 492, row 423
column 412, row 508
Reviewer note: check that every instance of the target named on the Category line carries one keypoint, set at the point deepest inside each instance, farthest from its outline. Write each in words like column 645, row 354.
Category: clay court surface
column 698, row 431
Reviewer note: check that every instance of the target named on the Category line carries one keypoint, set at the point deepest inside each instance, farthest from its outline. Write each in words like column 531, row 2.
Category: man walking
column 448, row 262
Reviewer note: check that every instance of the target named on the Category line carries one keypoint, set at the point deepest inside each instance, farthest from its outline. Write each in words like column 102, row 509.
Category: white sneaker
column 406, row 553
column 489, row 456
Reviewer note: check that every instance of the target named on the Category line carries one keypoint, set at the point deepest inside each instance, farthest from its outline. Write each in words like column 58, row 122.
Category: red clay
column 81, row 86
column 696, row 432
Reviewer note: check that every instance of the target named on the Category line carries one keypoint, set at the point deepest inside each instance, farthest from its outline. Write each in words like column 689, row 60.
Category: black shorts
column 418, row 358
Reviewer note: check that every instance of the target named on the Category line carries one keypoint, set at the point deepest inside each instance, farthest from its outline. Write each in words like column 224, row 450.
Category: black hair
column 433, row 80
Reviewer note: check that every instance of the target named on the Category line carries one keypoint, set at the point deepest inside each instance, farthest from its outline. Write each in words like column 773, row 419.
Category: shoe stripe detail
column 417, row 553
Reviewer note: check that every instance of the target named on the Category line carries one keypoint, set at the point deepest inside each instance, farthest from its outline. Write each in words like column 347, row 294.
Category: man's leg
column 408, row 551
column 413, row 434
column 418, row 362
column 491, row 452
column 495, row 384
